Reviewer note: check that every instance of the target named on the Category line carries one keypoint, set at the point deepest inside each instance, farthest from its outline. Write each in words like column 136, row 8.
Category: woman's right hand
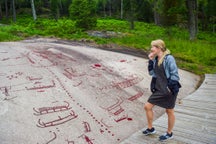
column 151, row 56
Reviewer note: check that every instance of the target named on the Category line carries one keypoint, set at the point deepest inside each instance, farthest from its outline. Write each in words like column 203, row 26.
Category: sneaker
column 149, row 131
column 166, row 136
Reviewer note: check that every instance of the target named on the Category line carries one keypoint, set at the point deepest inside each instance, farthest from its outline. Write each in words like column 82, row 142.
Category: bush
column 83, row 12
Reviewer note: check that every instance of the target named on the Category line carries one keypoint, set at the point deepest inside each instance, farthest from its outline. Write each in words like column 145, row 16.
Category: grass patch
column 198, row 56
column 7, row 34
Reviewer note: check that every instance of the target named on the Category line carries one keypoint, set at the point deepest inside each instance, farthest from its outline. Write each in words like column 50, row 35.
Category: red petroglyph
column 5, row 90
column 70, row 95
column 138, row 95
column 127, row 83
column 124, row 117
column 15, row 76
column 40, row 90
column 52, row 139
column 87, row 139
column 124, row 84
column 33, row 78
column 9, row 98
column 96, row 75
column 58, row 121
column 104, row 124
column 47, row 110
column 97, row 65
column 4, row 59
column 122, row 60
column 87, row 127
column 77, row 84
column 30, row 60
column 28, row 57
column 37, row 82
column 120, row 110
column 101, row 67
column 129, row 119
column 70, row 73
column 42, row 87
column 18, row 57
column 51, row 56
column 115, row 108
column 43, row 55
column 101, row 131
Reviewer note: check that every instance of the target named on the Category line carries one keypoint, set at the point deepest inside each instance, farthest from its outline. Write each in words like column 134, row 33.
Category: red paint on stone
column 122, row 60
column 97, row 65
column 129, row 119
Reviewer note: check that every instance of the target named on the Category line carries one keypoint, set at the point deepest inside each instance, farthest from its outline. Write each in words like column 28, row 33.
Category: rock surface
column 60, row 92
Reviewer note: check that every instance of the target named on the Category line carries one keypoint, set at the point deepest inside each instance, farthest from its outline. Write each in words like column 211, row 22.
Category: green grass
column 195, row 56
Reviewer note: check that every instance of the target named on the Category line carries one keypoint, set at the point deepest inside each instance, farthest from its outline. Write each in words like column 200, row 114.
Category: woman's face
column 154, row 50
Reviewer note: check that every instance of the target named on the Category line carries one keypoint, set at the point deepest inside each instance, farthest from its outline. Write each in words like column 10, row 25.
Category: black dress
column 162, row 96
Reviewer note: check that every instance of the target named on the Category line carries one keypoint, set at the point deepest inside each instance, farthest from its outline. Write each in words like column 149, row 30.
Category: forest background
column 187, row 26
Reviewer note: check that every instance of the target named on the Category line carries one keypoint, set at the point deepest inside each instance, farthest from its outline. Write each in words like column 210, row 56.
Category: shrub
column 83, row 12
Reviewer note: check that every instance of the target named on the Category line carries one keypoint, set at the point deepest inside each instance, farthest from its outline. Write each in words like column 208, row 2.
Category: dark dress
column 162, row 96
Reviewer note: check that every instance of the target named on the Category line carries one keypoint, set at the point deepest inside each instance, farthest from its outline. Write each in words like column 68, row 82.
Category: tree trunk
column 122, row 4
column 14, row 10
column 33, row 10
column 57, row 13
column 104, row 9
column 110, row 8
column 59, row 9
column 131, row 17
column 6, row 9
column 157, row 16
column 1, row 15
column 192, row 15
column 169, row 18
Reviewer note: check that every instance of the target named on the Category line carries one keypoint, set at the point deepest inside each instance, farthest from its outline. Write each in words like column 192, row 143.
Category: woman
column 164, row 86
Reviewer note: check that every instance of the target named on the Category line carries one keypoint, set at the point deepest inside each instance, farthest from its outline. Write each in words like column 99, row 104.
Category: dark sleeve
column 152, row 85
column 174, row 86
column 150, row 65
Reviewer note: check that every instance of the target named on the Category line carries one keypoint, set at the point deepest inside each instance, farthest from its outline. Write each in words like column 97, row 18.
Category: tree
column 14, row 10
column 157, row 10
column 192, row 18
column 122, row 5
column 55, row 9
column 110, row 8
column 132, row 14
column 1, row 13
column 211, row 14
column 6, row 9
column 144, row 11
column 166, row 11
column 33, row 10
column 169, row 15
column 83, row 12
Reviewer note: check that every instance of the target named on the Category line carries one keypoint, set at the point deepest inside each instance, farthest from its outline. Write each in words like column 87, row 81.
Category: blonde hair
column 160, row 44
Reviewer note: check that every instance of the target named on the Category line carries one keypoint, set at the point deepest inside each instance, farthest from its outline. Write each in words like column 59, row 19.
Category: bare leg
column 149, row 113
column 171, row 120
